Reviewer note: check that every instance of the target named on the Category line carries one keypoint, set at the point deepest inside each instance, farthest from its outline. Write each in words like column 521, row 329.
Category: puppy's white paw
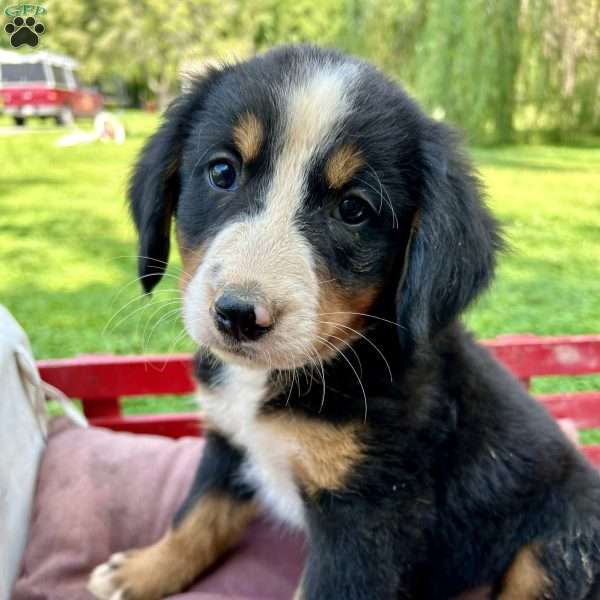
column 145, row 574
column 105, row 583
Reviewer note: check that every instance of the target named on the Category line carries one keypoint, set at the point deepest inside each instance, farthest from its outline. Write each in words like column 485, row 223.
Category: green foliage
column 386, row 33
column 295, row 21
column 493, row 67
column 559, row 83
column 146, row 40
column 468, row 58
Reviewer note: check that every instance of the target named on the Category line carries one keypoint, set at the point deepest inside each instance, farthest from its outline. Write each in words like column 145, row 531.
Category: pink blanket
column 100, row 492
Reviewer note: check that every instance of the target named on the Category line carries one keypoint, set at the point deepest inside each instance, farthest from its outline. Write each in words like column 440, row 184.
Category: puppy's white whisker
column 322, row 372
column 387, row 196
column 171, row 313
column 364, row 337
column 135, row 299
column 180, row 270
column 374, row 189
column 349, row 346
column 120, row 310
column 287, row 400
column 344, row 312
column 153, row 324
column 336, row 350
column 162, row 304
column 152, row 258
column 139, row 279
column 177, row 339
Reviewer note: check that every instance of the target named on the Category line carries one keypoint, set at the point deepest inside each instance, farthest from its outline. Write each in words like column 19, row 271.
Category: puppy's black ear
column 155, row 184
column 451, row 257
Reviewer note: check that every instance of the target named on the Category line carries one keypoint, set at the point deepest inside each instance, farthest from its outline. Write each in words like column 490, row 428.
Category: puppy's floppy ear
column 452, row 250
column 155, row 184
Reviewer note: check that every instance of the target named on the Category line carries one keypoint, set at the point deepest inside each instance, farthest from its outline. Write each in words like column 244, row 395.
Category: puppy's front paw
column 106, row 581
column 134, row 575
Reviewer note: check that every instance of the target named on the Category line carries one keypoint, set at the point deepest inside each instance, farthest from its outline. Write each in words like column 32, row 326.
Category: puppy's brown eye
column 221, row 174
column 353, row 210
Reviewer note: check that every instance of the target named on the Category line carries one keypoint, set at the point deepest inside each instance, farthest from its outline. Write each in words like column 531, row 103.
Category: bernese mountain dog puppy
column 331, row 234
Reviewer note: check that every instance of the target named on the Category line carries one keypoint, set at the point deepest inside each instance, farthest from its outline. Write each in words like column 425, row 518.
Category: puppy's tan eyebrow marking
column 342, row 165
column 248, row 136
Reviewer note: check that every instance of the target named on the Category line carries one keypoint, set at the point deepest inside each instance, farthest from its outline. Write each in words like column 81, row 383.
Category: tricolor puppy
column 331, row 235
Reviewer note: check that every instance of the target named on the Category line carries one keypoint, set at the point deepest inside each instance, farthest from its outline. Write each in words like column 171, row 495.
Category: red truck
column 43, row 84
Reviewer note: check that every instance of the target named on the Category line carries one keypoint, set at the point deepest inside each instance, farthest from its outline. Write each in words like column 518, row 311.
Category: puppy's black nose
column 240, row 318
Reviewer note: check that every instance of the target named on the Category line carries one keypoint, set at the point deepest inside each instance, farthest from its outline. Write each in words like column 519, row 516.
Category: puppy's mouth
column 233, row 350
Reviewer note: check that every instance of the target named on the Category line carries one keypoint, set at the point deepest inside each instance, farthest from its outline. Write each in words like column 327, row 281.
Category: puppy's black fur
column 461, row 471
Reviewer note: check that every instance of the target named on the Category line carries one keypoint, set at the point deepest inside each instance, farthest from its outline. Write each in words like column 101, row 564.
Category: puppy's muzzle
column 241, row 318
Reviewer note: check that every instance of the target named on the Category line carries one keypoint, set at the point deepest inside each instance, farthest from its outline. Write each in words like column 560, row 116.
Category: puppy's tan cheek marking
column 248, row 136
column 325, row 454
column 340, row 311
column 342, row 166
column 191, row 258
column 211, row 528
column 525, row 578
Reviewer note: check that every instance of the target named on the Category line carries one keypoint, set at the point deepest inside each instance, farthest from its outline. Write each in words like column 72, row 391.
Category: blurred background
column 520, row 78
column 504, row 70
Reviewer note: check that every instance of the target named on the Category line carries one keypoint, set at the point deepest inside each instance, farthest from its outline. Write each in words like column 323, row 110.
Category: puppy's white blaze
column 315, row 107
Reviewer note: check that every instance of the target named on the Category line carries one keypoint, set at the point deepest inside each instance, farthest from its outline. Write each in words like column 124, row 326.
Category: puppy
column 331, row 234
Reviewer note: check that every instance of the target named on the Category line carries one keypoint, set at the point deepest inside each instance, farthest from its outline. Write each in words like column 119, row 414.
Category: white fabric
column 23, row 422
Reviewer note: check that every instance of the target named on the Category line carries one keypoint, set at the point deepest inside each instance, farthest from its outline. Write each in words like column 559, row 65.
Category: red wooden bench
column 99, row 381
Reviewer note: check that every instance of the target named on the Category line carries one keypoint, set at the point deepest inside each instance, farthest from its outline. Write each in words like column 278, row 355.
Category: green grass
column 590, row 436
column 67, row 264
column 67, row 249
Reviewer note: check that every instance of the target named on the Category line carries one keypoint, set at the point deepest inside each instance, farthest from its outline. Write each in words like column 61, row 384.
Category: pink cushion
column 101, row 492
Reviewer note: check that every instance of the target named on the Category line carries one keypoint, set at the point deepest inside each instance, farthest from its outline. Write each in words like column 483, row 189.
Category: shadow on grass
column 590, row 232
column 20, row 184
column 79, row 229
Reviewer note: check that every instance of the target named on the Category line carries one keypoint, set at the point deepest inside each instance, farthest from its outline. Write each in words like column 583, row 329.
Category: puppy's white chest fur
column 233, row 408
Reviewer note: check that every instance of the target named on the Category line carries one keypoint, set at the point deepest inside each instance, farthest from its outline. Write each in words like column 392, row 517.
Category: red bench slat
column 530, row 356
column 97, row 377
column 582, row 407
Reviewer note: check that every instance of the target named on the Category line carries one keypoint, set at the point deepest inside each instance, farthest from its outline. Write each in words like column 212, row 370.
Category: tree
column 560, row 82
column 145, row 39
column 386, row 33
column 468, row 61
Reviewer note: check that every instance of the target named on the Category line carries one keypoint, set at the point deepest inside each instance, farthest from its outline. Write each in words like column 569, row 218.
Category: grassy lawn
column 67, row 266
